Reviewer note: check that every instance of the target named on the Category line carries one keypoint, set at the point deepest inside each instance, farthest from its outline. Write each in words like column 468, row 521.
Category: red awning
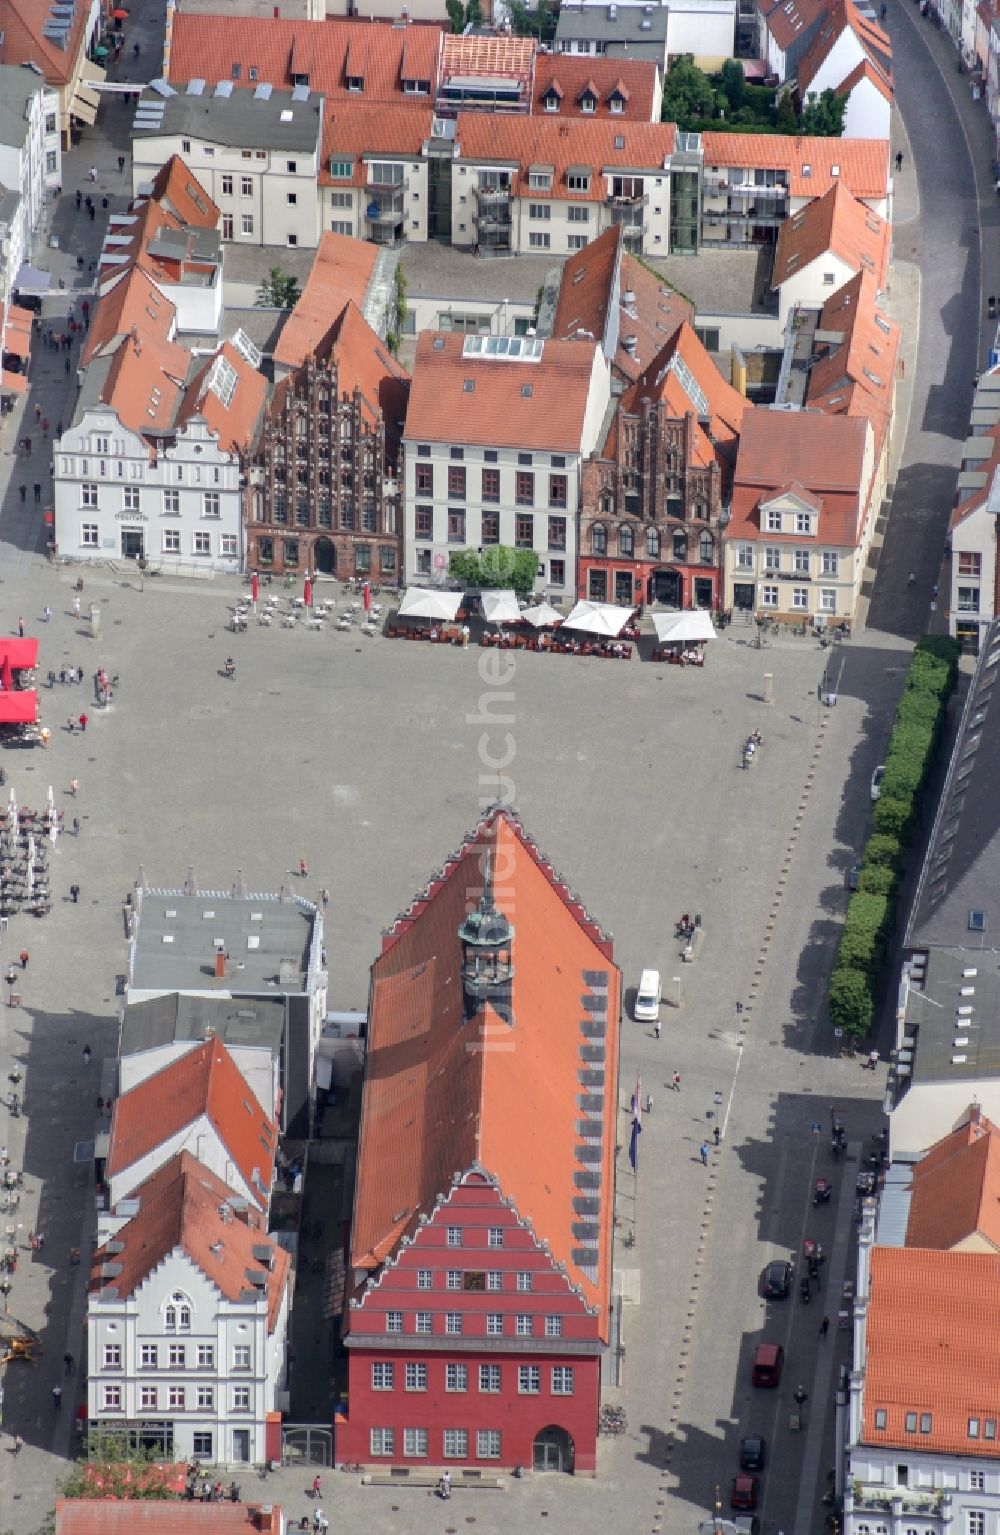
column 18, row 708
column 17, row 330
column 18, row 654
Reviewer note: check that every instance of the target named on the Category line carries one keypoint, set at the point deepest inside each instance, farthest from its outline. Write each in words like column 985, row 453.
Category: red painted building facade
column 481, row 1241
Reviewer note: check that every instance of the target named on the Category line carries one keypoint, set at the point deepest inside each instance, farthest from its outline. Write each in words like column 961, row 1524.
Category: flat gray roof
column 953, row 1019
column 630, row 23
column 250, row 1021
column 267, row 941
column 240, row 120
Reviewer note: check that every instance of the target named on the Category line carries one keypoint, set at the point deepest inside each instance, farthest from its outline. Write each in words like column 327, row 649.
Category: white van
column 647, row 998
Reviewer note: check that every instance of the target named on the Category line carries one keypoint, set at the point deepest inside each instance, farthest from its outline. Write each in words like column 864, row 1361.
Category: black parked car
column 776, row 1280
column 753, row 1453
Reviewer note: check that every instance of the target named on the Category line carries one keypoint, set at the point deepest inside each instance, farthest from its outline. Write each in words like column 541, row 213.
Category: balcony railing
column 491, row 195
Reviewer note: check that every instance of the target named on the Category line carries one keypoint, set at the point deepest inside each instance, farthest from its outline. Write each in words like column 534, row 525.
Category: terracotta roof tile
column 327, row 51
column 719, row 426
column 787, row 20
column 862, row 164
column 600, row 143
column 530, row 405
column 21, row 23
column 824, row 453
column 856, row 375
column 492, row 54
column 179, row 1209
column 132, row 302
column 147, row 1516
column 364, row 363
column 955, row 1189
column 512, row 1111
column 866, row 71
column 844, row 16
column 341, row 273
column 236, row 423
column 835, row 222
column 932, row 1348
column 360, row 130
column 179, row 192
column 204, row 1081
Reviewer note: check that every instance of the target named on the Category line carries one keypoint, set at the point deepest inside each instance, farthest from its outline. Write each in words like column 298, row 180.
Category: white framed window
column 202, row 1444
column 241, row 1356
column 578, row 213
column 177, row 1356
column 88, row 495
column 422, row 1322
column 975, row 1521
column 488, row 1444
column 454, row 1236
column 454, row 1281
column 88, row 535
column 112, row 1356
column 416, row 1376
column 175, row 1397
column 229, row 545
column 803, row 522
column 455, row 1443
column 131, row 498
column 425, row 1279
column 830, row 562
column 149, row 1356
column 414, row 1442
column 172, row 502
column 562, row 1380
column 211, row 505
column 801, row 562
column 177, row 1314
column 205, row 1397
column 201, row 543
column 772, row 557
column 394, row 1321
column 800, row 598
column 453, row 1323
column 553, row 1326
column 828, row 599
column 539, row 240
column 494, row 1279
column 744, row 556
column 227, row 186
column 773, row 520
column 495, row 1237
column 246, row 223
column 524, row 1326
column 241, row 1399
column 111, row 1398
column 148, row 1398
column 456, row 1377
column 540, row 212
column 524, row 1280
column 977, row 1481
column 489, row 1378
column 383, row 1376
column 529, row 1379
column 383, row 1441
column 769, row 596
column 246, row 186
column 576, row 242
column 494, row 1324
column 206, row 1356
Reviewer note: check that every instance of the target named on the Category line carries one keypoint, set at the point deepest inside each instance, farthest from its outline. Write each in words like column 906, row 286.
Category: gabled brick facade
column 649, row 522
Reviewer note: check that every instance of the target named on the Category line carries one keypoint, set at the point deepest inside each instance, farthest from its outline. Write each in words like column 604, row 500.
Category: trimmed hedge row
column 916, row 735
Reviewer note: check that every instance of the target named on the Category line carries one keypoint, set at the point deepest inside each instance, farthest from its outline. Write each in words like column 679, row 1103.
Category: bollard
column 769, row 687
column 95, row 621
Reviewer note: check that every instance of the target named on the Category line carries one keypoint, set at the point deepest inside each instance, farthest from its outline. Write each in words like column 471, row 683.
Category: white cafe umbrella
column 52, row 817
column 500, row 607
column 683, row 628
column 603, row 618
column 31, row 865
column 419, row 602
column 542, row 615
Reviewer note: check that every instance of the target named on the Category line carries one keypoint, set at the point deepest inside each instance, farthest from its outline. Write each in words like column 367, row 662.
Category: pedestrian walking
column 703, row 1153
column 324, row 896
column 46, row 613
column 121, row 164
column 66, row 366
column 658, row 1028
column 85, row 307
column 79, row 674
column 38, row 491
column 303, row 868
column 74, row 891
column 86, row 1055
column 675, row 1081
column 872, row 1059
column 911, row 579
column 316, row 1487
column 71, row 725
column 27, row 447
column 83, row 719
column 76, row 826
column 20, row 627
column 58, row 428
column 91, row 210
column 79, row 199
column 76, row 607
column 824, row 1327
column 899, row 160
column 100, row 1105
column 24, row 956
column 93, row 173
column 800, row 1395
column 69, row 1363
column 38, row 413
column 45, row 426
column 18, row 1444
column 135, row 49
column 57, row 1397
column 74, row 785
column 716, row 1135
column 23, row 493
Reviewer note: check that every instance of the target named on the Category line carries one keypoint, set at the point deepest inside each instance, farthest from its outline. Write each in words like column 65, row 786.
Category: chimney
column 629, row 345
column 220, row 965
column 263, row 1516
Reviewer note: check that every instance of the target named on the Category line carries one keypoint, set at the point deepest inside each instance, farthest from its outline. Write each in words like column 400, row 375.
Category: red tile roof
column 362, row 133
column 844, row 16
column 602, row 274
column 204, row 1082
column 861, row 164
column 718, row 432
column 825, row 454
column 788, row 19
column 179, row 192
column 21, row 23
column 529, row 405
column 132, row 303
column 491, row 54
column 454, row 1103
column 600, row 144
column 932, row 1348
column 179, row 1210
column 855, row 374
column 866, row 71
column 955, row 1189
column 971, row 503
column 840, row 224
column 238, row 421
column 366, row 364
column 272, row 50
column 177, row 205
column 633, row 79
column 341, row 273
column 169, row 1516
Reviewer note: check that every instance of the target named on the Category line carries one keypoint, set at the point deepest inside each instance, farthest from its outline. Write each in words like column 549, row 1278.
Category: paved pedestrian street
column 370, row 759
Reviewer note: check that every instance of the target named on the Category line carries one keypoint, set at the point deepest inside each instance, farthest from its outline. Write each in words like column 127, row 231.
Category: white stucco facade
column 812, row 285
column 868, row 112
column 178, row 1357
column 30, row 163
column 116, row 498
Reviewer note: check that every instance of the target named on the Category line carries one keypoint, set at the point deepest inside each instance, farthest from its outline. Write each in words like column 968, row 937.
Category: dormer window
column 550, row 101
column 416, row 87
column 588, row 102
column 300, row 79
column 540, row 180
column 355, row 82
column 616, row 104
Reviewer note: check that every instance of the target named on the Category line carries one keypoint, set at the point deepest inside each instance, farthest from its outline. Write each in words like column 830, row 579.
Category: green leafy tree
column 823, row 116
column 877, row 879
column 279, row 290
column 688, row 97
column 456, row 14
column 734, row 83
column 498, row 567
column 851, row 1004
column 883, row 852
column 474, row 14
column 785, row 119
column 112, row 1468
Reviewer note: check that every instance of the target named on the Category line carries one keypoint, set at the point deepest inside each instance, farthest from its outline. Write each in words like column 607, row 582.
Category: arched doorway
column 325, row 557
column 554, row 1450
